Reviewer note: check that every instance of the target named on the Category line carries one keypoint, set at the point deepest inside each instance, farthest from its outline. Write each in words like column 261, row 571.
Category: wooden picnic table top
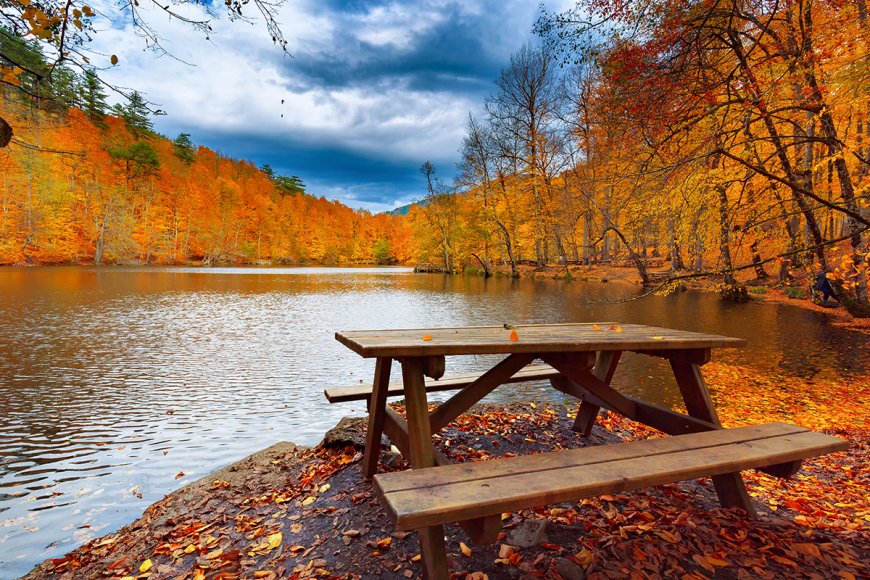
column 533, row 338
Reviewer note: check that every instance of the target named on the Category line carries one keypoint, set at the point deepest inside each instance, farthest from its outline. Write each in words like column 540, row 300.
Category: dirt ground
column 292, row 512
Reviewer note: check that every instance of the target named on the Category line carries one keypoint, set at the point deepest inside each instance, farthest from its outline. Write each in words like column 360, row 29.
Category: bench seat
column 438, row 495
column 364, row 392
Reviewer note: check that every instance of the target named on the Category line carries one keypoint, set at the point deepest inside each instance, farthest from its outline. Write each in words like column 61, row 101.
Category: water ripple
column 120, row 385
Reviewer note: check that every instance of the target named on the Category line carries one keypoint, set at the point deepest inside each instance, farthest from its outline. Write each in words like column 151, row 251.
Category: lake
column 120, row 385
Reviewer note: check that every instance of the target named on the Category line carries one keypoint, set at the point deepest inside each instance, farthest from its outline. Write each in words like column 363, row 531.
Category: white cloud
column 333, row 97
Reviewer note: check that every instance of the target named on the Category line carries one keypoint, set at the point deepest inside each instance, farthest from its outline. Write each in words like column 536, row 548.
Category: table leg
column 729, row 487
column 422, row 455
column 605, row 366
column 377, row 410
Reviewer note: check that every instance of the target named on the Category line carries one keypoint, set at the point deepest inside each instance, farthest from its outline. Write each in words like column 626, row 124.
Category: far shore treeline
column 713, row 139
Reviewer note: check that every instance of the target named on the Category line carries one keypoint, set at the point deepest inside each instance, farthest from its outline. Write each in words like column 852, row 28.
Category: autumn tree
column 742, row 84
column 62, row 30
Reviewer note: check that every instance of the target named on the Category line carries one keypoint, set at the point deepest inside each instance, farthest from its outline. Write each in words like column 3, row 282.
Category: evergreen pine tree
column 137, row 114
column 183, row 148
column 91, row 96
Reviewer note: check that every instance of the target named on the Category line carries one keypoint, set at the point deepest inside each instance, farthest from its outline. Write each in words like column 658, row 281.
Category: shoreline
column 289, row 511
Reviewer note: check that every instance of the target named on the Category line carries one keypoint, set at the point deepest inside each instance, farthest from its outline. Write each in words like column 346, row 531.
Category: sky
column 371, row 91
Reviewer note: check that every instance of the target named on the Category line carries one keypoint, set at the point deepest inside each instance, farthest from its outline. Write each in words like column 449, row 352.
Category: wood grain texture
column 377, row 404
column 456, row 382
column 474, row 392
column 457, row 492
column 533, row 338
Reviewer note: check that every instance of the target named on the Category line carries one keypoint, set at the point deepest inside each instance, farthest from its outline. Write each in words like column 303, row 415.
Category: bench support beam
column 421, row 454
column 730, row 487
column 377, row 404
column 484, row 385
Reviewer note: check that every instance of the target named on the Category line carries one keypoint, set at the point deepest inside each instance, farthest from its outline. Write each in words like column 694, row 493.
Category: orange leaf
column 514, row 336
column 426, row 337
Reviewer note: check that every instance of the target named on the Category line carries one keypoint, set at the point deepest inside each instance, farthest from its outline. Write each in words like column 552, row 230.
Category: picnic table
column 579, row 360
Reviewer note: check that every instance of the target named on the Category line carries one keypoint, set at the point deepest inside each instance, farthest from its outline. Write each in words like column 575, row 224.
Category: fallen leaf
column 426, row 337
column 145, row 566
column 514, row 336
column 275, row 540
column 466, row 551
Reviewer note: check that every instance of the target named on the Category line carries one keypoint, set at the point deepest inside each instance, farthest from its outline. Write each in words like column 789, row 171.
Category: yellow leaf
column 190, row 548
column 145, row 566
column 324, row 488
column 213, row 555
column 596, row 327
column 466, row 551
column 309, row 500
column 275, row 540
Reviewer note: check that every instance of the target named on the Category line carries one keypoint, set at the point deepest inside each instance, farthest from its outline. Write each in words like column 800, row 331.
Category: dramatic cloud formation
column 372, row 90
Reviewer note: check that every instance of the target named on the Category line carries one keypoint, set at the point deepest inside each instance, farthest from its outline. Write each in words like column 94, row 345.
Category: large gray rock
column 349, row 431
column 569, row 570
column 529, row 533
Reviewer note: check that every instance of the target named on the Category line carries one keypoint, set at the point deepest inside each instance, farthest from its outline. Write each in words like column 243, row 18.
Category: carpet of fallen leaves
column 308, row 513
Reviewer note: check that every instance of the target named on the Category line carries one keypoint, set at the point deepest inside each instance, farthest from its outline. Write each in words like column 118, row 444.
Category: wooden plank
column 377, row 407
column 396, row 389
column 584, row 456
column 589, row 382
column 533, row 338
column 417, row 412
column 559, row 477
column 485, row 384
column 396, row 430
column 434, row 366
column 730, row 487
column 420, row 455
column 695, row 356
column 605, row 367
column 480, row 530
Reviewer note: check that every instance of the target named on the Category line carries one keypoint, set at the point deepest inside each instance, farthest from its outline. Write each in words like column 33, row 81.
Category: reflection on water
column 120, row 385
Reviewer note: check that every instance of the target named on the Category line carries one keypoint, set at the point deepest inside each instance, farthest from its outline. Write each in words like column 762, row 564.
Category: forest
column 717, row 137
column 722, row 136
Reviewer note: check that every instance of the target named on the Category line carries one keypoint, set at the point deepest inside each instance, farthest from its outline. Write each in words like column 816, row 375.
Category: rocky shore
column 294, row 512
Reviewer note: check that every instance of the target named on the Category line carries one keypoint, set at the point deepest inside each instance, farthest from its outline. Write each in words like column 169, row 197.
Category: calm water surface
column 116, row 380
